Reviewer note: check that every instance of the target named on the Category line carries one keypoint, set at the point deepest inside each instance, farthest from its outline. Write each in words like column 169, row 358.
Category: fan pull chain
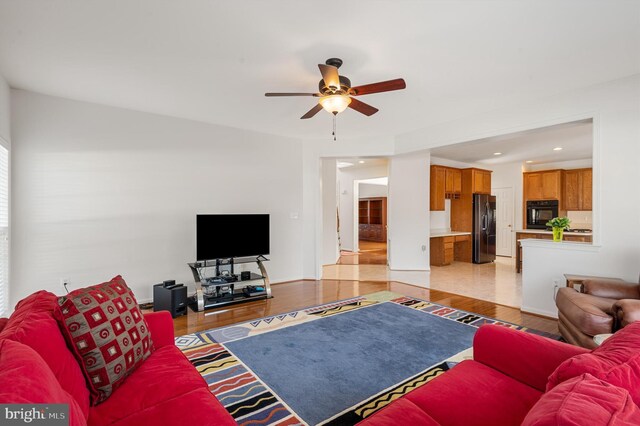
column 334, row 126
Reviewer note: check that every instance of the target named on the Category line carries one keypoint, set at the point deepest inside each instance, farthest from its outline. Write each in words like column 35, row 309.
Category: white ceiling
column 537, row 146
column 361, row 162
column 212, row 61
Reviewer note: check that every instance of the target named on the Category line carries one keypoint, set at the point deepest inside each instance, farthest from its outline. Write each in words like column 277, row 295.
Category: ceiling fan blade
column 293, row 94
column 360, row 106
column 330, row 75
column 383, row 86
column 313, row 111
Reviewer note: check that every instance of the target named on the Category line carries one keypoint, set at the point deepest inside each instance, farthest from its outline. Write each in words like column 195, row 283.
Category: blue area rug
column 331, row 364
column 343, row 359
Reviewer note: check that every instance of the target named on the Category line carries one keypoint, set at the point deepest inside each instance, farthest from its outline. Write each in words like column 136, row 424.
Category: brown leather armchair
column 602, row 306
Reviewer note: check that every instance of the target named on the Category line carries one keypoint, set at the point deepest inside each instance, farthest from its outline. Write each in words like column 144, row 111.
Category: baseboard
column 539, row 312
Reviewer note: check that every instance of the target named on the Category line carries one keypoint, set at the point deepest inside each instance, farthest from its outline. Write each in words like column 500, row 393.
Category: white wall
column 330, row 250
column 5, row 113
column 346, row 178
column 100, row 191
column 440, row 220
column 505, row 176
column 408, row 212
column 370, row 190
column 615, row 109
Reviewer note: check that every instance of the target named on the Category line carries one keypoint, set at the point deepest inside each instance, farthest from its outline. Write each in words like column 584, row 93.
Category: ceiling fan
column 336, row 94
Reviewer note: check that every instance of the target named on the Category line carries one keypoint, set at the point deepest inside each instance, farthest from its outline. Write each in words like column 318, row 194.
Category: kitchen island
column 543, row 234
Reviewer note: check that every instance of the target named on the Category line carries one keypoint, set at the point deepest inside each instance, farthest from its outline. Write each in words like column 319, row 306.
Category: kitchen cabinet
column 543, row 185
column 481, row 181
column 372, row 219
column 446, row 183
column 474, row 181
column 444, row 250
column 578, row 189
column 453, row 181
column 438, row 185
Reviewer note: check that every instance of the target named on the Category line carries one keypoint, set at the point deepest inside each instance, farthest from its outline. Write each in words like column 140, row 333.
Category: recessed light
column 362, row 161
column 497, row 153
column 529, row 161
column 558, row 148
column 343, row 164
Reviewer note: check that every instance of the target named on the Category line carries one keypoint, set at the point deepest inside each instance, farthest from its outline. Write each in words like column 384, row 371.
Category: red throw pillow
column 584, row 401
column 106, row 332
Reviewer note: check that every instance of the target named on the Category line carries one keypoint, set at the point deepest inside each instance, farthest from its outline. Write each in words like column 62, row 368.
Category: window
column 4, row 231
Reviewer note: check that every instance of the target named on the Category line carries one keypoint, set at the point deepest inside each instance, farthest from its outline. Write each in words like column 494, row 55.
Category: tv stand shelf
column 207, row 297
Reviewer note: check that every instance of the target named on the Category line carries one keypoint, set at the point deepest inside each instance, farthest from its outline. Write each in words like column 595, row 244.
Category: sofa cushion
column 26, row 378
column 616, row 361
column 33, row 324
column 568, row 404
column 399, row 412
column 107, row 332
column 159, row 383
column 472, row 393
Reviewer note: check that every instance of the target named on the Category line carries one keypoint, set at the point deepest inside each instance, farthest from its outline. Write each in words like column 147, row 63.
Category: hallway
column 371, row 253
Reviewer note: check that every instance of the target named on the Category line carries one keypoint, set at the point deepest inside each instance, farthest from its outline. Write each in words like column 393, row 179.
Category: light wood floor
column 495, row 282
column 370, row 253
column 301, row 294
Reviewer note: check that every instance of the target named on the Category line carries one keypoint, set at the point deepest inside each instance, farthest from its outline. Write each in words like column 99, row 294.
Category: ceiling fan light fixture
column 335, row 104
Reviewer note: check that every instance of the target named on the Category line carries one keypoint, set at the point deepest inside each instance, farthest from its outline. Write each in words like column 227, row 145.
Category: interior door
column 504, row 221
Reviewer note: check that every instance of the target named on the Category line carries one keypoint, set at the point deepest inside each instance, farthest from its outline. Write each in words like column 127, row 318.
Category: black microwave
column 540, row 212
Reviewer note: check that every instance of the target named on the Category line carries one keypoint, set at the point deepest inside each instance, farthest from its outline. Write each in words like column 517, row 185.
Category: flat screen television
column 221, row 236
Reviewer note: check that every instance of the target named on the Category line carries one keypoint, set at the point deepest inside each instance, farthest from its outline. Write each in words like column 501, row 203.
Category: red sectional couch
column 521, row 378
column 36, row 366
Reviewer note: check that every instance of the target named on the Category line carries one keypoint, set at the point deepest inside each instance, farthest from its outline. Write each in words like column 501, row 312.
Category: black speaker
column 172, row 299
column 245, row 275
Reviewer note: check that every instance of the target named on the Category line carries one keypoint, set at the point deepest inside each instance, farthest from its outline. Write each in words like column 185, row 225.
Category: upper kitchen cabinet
column 453, row 181
column 544, row 185
column 446, row 182
column 438, row 178
column 578, row 188
column 480, row 181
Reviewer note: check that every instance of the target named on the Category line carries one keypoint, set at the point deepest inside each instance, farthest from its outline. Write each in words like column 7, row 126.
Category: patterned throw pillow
column 107, row 333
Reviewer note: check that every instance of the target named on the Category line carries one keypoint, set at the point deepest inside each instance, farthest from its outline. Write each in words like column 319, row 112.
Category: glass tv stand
column 217, row 284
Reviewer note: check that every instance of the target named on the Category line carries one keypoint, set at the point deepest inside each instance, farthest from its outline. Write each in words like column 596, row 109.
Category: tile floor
column 494, row 282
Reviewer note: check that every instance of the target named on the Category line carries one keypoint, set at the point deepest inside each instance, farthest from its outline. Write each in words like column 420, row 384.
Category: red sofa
column 36, row 366
column 521, row 378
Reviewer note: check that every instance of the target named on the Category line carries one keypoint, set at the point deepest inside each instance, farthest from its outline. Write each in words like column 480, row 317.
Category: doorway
column 369, row 223
column 505, row 207
column 362, row 210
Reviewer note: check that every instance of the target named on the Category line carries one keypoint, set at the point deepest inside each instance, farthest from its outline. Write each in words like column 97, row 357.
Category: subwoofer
column 172, row 299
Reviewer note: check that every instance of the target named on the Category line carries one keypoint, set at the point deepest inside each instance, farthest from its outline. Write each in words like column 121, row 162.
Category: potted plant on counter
column 558, row 225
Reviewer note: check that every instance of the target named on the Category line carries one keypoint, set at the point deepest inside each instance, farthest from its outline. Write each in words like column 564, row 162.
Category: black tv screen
column 220, row 236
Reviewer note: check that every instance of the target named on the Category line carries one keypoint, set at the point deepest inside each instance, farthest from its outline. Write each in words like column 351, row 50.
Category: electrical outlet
column 424, row 248
column 556, row 282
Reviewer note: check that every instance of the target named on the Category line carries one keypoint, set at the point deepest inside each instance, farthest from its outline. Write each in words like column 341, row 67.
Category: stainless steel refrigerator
column 484, row 228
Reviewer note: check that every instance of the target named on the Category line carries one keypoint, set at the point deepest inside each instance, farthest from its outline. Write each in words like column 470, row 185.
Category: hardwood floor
column 296, row 295
column 370, row 253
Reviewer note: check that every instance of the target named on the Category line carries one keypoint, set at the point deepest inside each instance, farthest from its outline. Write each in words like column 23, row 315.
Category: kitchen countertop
column 543, row 231
column 437, row 234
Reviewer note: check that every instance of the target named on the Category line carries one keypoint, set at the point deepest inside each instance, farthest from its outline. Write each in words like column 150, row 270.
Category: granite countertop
column 442, row 233
column 543, row 231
